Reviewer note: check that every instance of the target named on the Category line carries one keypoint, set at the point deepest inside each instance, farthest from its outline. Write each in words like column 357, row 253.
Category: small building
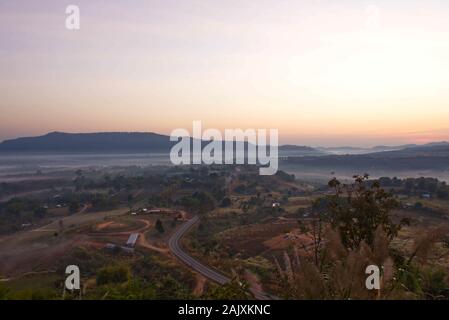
column 132, row 240
column 276, row 205
column 426, row 196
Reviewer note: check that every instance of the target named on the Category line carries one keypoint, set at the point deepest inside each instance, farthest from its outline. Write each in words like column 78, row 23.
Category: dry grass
column 340, row 273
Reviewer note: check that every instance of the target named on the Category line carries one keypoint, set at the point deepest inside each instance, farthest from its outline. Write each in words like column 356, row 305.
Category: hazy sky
column 329, row 72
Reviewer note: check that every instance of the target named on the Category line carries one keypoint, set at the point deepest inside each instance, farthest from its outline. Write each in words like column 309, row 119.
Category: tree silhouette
column 159, row 226
column 358, row 209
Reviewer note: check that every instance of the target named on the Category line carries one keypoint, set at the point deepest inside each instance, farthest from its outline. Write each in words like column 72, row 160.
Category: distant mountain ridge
column 292, row 147
column 349, row 150
column 147, row 142
column 90, row 142
column 432, row 156
column 112, row 142
column 299, row 151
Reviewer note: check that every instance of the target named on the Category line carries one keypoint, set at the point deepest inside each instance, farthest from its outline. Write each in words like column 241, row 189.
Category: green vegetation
column 294, row 240
column 19, row 211
column 113, row 274
column 3, row 292
column 354, row 229
column 358, row 210
column 159, row 226
column 234, row 290
column 106, row 276
column 417, row 186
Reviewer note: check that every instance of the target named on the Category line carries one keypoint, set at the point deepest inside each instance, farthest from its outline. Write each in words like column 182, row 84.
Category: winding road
column 206, row 271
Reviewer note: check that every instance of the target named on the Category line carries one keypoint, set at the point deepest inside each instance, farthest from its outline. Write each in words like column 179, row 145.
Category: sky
column 322, row 72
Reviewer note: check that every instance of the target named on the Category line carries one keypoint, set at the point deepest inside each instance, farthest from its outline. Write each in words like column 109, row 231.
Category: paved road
column 206, row 271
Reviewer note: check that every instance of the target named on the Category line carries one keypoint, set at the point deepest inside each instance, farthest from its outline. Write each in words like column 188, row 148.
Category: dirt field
column 285, row 240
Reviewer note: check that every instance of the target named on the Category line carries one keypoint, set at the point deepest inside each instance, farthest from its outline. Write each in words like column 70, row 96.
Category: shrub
column 114, row 274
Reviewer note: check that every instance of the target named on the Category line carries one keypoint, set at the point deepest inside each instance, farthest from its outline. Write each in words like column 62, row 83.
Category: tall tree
column 159, row 226
column 358, row 209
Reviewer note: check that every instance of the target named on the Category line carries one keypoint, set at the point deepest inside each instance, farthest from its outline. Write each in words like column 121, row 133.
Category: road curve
column 175, row 248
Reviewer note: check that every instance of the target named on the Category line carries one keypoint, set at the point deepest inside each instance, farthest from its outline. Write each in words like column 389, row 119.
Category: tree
column 442, row 193
column 74, row 206
column 409, row 185
column 39, row 212
column 3, row 292
column 159, row 226
column 418, row 205
column 199, row 202
column 15, row 206
column 226, row 202
column 233, row 290
column 358, row 209
column 171, row 288
column 352, row 229
column 315, row 230
column 385, row 181
column 113, row 274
